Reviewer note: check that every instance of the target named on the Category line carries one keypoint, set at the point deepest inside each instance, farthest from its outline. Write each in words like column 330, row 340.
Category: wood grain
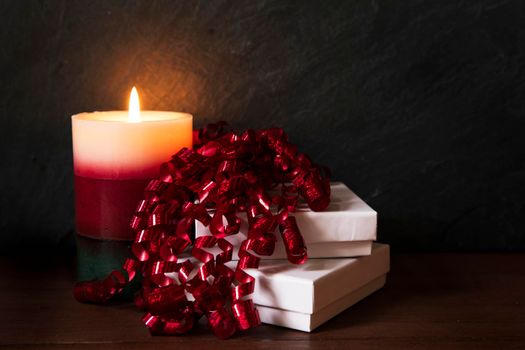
column 436, row 301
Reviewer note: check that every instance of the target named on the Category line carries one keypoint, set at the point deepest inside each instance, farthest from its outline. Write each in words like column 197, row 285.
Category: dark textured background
column 419, row 106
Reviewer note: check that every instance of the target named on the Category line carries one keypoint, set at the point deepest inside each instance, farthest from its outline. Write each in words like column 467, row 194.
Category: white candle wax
column 107, row 145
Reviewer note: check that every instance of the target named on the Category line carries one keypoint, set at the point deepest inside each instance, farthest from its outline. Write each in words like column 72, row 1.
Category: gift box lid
column 316, row 250
column 308, row 322
column 347, row 218
column 347, row 249
column 310, row 287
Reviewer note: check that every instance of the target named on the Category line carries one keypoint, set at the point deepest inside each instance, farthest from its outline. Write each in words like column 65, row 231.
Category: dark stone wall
column 417, row 105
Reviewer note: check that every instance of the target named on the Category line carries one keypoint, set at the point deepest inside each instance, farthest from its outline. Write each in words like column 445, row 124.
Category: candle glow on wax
column 116, row 154
column 134, row 106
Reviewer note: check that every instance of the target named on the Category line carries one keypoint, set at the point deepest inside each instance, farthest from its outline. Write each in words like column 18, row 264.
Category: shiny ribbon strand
column 226, row 173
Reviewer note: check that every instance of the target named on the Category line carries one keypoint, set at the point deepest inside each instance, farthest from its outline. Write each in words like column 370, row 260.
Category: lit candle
column 115, row 154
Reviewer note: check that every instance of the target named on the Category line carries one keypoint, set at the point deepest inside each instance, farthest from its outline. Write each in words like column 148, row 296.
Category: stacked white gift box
column 344, row 264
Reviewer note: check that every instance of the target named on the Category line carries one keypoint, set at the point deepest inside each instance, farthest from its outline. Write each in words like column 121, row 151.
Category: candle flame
column 134, row 106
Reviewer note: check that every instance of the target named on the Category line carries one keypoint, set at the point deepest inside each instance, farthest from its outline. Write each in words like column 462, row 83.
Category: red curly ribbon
column 293, row 241
column 256, row 172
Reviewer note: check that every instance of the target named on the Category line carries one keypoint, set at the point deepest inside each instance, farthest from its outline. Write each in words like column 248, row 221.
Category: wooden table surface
column 434, row 301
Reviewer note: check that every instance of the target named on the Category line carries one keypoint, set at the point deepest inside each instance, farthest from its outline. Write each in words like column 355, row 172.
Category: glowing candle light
column 134, row 106
column 115, row 154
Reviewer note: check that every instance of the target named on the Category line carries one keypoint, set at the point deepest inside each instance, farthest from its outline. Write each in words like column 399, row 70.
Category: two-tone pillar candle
column 115, row 155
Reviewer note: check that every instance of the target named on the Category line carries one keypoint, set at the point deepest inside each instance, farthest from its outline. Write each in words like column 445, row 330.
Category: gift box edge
column 284, row 318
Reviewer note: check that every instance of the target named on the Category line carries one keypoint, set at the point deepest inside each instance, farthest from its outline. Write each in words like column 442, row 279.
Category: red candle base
column 104, row 207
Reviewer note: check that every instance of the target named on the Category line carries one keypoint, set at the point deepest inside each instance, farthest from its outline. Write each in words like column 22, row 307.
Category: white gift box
column 305, row 296
column 308, row 322
column 345, row 229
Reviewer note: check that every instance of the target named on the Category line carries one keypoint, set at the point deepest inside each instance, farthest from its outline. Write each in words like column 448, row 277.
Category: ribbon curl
column 226, row 173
